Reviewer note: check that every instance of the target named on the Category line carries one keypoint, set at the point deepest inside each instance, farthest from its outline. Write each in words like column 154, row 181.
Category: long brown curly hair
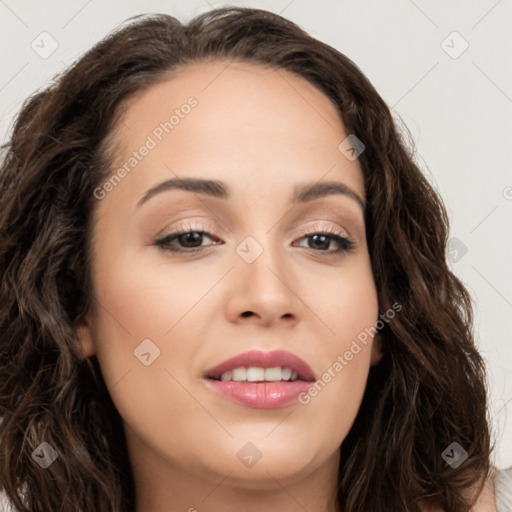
column 427, row 392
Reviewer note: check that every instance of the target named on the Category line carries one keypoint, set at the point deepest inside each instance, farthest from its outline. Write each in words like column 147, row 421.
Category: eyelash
column 346, row 244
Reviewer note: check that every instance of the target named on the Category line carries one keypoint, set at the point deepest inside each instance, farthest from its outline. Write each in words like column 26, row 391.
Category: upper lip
column 272, row 359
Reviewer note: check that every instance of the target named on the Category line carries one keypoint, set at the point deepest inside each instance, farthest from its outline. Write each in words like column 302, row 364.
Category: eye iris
column 192, row 236
column 323, row 241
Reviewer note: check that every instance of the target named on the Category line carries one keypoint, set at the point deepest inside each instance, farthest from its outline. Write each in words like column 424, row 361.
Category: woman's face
column 171, row 308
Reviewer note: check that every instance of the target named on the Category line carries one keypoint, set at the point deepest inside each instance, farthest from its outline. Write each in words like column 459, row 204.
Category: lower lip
column 261, row 395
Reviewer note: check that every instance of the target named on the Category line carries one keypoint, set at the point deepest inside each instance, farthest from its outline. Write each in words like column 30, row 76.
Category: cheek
column 146, row 297
column 347, row 309
column 143, row 340
column 345, row 302
column 140, row 312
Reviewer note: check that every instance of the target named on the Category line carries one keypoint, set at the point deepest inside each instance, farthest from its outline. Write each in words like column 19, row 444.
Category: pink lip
column 262, row 395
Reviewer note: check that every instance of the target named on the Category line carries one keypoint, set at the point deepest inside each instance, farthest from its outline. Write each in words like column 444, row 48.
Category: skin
column 262, row 132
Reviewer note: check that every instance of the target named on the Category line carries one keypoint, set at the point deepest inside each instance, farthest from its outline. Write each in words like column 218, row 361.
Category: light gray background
column 459, row 111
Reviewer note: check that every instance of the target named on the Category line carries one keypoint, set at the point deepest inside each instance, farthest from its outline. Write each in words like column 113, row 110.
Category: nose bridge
column 263, row 274
column 259, row 226
column 260, row 253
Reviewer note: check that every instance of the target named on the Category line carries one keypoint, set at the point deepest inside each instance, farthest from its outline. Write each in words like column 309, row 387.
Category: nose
column 262, row 291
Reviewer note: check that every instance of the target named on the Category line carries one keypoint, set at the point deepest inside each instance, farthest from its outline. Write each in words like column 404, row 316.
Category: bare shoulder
column 487, row 500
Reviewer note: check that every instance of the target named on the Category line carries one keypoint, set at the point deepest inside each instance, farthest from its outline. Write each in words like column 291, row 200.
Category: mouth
column 264, row 380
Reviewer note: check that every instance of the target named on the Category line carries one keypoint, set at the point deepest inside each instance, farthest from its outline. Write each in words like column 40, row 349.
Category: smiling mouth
column 262, row 380
column 258, row 366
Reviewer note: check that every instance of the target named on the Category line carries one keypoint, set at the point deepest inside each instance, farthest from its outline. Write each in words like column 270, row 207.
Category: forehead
column 248, row 122
column 236, row 86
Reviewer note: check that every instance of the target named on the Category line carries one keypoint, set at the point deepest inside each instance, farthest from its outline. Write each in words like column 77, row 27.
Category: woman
column 315, row 354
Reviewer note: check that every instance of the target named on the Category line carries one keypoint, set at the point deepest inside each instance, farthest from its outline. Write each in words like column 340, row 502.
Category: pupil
column 324, row 244
column 189, row 237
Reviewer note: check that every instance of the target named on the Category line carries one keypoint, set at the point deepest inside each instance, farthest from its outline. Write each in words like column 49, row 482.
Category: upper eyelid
column 209, row 229
column 340, row 215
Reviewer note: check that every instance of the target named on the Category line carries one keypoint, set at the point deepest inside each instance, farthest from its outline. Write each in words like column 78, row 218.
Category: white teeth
column 286, row 373
column 239, row 374
column 257, row 374
column 273, row 374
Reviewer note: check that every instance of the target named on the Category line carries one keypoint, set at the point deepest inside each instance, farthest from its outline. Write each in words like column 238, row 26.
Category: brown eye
column 183, row 241
column 321, row 241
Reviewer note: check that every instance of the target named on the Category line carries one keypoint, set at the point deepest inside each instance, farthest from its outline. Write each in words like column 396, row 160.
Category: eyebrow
column 218, row 189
